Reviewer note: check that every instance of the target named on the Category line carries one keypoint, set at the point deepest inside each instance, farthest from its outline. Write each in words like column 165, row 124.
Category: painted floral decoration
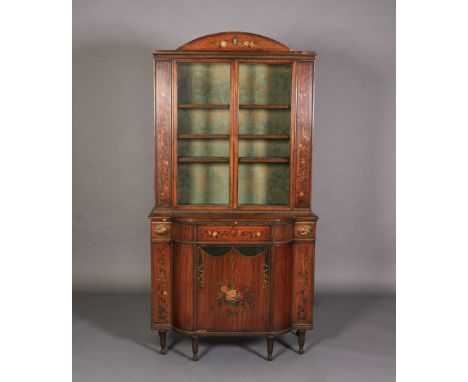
column 234, row 298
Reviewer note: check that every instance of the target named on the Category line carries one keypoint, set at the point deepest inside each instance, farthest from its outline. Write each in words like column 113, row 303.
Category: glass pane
column 263, row 184
column 265, row 84
column 203, row 83
column 264, row 121
column 264, row 148
column 203, row 184
column 203, row 148
column 203, row 121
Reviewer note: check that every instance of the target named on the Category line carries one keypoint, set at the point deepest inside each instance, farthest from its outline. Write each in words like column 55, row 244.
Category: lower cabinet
column 205, row 284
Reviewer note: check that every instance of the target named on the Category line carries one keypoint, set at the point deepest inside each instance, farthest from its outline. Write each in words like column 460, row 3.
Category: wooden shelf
column 202, row 106
column 203, row 160
column 263, row 136
column 203, row 136
column 285, row 107
column 263, row 160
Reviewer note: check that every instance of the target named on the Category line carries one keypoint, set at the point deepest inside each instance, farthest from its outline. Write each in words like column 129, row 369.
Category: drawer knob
column 304, row 230
column 214, row 233
column 258, row 234
column 160, row 229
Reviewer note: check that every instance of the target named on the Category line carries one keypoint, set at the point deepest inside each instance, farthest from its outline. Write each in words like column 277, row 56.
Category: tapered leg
column 195, row 348
column 301, row 338
column 270, row 347
column 162, row 341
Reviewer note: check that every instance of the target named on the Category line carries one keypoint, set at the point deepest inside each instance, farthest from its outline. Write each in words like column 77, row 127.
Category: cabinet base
column 270, row 336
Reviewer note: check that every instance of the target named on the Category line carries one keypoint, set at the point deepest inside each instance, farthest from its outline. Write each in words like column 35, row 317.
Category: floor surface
column 354, row 340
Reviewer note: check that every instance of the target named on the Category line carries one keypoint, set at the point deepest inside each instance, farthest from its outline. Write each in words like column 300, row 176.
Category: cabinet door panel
column 233, row 289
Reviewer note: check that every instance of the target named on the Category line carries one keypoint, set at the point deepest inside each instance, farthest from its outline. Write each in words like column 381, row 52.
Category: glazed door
column 202, row 143
column 264, row 131
column 233, row 137
column 233, row 288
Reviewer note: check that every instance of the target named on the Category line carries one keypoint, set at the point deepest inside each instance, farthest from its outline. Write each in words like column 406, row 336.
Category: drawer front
column 233, row 233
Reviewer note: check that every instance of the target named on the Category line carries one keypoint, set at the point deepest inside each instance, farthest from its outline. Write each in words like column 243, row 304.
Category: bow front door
column 233, row 284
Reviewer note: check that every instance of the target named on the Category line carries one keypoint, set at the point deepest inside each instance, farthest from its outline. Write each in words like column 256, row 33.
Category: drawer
column 233, row 233
column 304, row 230
column 160, row 231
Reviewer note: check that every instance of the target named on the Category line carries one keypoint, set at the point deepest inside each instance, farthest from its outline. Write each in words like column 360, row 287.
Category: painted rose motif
column 234, row 298
column 232, row 295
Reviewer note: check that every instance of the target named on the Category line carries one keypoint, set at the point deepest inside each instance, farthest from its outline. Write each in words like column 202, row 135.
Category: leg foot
column 162, row 341
column 270, row 348
column 195, row 348
column 301, row 338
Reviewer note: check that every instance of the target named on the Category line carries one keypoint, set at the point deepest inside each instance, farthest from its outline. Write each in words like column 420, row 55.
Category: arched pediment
column 238, row 41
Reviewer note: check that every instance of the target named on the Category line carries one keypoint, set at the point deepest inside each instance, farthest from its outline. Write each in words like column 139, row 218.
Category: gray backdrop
column 354, row 153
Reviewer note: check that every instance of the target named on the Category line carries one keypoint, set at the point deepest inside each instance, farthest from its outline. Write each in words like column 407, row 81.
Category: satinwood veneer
column 232, row 231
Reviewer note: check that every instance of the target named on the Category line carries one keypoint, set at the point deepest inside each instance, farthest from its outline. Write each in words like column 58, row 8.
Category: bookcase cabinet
column 232, row 230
